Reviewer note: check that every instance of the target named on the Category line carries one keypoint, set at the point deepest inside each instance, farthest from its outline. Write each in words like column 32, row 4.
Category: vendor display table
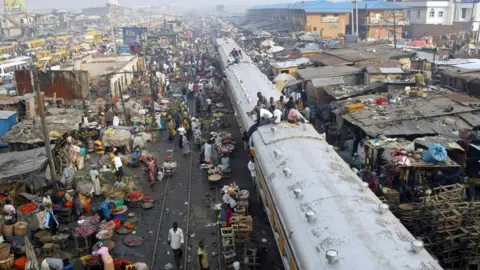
column 64, row 215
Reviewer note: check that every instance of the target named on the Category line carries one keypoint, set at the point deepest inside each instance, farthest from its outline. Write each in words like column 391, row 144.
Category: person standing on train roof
column 262, row 98
column 289, row 105
column 281, row 105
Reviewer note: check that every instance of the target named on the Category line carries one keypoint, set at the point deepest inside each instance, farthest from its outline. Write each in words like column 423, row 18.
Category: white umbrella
column 283, row 77
column 268, row 43
column 275, row 49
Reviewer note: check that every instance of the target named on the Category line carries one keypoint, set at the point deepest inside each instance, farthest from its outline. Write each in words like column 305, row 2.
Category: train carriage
column 322, row 216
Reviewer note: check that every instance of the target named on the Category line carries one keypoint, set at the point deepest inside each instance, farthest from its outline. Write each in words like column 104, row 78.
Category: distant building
column 14, row 25
column 333, row 19
column 95, row 11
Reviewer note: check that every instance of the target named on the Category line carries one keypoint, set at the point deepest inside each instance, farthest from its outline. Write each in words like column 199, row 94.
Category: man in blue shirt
column 104, row 210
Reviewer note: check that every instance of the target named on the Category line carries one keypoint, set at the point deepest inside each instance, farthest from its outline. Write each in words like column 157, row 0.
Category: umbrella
column 268, row 43
column 253, row 53
column 275, row 49
column 283, row 77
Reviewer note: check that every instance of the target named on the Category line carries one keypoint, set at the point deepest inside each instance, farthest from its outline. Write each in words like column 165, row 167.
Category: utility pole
column 366, row 23
column 43, row 121
column 123, row 103
column 356, row 17
column 154, row 98
column 394, row 31
column 112, row 25
column 352, row 20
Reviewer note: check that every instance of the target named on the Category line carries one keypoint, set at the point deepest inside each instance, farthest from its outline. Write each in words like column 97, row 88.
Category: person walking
column 175, row 240
column 186, row 146
column 118, row 167
column 203, row 256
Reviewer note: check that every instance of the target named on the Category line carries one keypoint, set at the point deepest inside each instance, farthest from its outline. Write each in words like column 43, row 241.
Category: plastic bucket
column 69, row 266
column 20, row 263
column 86, row 208
column 119, row 202
column 117, row 222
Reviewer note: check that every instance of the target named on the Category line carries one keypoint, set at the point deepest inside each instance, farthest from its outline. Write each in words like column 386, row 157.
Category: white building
column 467, row 12
column 429, row 12
column 119, row 69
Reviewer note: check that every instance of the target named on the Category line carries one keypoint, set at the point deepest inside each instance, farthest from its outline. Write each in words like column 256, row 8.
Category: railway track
column 166, row 207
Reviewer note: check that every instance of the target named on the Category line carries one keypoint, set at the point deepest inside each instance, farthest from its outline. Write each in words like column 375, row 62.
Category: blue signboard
column 131, row 36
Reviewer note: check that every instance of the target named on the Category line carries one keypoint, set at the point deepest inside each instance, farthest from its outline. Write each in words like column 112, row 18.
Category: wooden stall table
column 64, row 214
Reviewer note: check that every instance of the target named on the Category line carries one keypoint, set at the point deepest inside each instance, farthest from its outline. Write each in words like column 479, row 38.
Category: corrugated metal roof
column 329, row 71
column 18, row 163
column 327, row 81
column 332, row 7
column 390, row 70
column 6, row 114
column 291, row 63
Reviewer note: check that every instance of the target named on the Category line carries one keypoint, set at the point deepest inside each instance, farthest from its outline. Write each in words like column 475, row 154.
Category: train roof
column 346, row 218
column 246, row 80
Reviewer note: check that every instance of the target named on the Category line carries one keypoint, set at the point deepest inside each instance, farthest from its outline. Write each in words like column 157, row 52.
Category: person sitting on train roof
column 271, row 105
column 266, row 117
column 257, row 108
column 262, row 98
column 277, row 115
column 293, row 114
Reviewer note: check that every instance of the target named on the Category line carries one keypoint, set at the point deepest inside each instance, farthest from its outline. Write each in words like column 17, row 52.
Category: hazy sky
column 77, row 5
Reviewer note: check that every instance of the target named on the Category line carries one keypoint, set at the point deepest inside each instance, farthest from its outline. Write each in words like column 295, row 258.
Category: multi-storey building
column 376, row 19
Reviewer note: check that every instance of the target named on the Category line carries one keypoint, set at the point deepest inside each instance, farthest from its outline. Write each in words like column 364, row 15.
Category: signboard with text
column 131, row 36
column 14, row 5
column 329, row 19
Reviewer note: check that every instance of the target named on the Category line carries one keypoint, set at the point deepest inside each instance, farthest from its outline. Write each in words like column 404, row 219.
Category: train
column 321, row 213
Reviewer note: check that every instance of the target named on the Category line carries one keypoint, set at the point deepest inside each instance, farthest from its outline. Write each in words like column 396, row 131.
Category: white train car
column 321, row 213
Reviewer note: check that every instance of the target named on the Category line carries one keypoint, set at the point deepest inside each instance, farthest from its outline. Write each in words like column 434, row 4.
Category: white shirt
column 118, row 162
column 209, row 101
column 194, row 124
column 181, row 131
column 116, row 121
column 278, row 116
column 296, row 96
column 175, row 238
column 265, row 114
column 93, row 174
column 226, row 198
column 251, row 168
column 232, row 203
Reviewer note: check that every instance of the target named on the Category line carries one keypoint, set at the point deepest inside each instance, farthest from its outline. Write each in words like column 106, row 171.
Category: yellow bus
column 42, row 54
column 35, row 43
column 7, row 50
column 65, row 38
